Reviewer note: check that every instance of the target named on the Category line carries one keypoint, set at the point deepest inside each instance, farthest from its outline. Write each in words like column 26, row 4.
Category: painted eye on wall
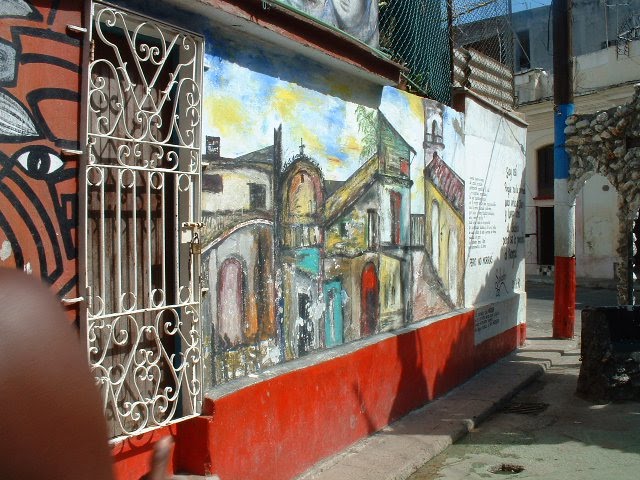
column 39, row 162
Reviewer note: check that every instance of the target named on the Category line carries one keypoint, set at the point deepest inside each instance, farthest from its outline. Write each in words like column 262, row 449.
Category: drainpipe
column 564, row 303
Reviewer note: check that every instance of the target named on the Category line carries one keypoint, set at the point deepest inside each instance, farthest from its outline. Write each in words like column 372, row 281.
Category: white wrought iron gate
column 141, row 212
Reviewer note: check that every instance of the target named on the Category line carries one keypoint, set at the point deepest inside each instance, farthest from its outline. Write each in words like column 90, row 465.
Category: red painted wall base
column 564, row 301
column 280, row 427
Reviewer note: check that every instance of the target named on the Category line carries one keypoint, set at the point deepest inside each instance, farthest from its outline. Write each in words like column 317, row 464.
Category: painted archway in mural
column 369, row 300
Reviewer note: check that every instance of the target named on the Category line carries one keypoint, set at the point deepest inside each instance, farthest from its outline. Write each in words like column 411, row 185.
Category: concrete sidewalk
column 401, row 448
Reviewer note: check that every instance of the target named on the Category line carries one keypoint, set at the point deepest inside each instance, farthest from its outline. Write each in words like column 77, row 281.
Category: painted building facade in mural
column 321, row 234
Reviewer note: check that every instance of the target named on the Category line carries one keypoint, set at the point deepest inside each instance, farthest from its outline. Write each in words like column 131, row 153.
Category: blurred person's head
column 52, row 424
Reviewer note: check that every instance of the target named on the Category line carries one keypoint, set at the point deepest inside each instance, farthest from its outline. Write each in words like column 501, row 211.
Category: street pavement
column 467, row 434
column 546, row 430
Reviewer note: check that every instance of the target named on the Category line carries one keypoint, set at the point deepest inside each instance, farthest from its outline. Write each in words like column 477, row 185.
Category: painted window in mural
column 213, row 183
column 257, row 196
column 452, row 267
column 305, row 324
column 396, row 205
column 372, row 229
column 435, row 233
column 358, row 18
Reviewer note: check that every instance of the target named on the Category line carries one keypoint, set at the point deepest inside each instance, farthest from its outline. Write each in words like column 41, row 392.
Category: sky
column 519, row 5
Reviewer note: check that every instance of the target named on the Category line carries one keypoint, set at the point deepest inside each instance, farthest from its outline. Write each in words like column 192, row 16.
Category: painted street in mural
column 39, row 68
column 322, row 224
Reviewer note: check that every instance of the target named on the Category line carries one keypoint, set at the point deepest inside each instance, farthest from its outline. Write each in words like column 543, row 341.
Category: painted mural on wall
column 358, row 18
column 494, row 219
column 316, row 203
column 39, row 100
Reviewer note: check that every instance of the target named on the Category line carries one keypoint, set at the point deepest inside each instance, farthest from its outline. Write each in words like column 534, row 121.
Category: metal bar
column 176, row 236
column 163, row 217
column 76, row 29
column 149, row 239
column 103, row 254
column 83, row 234
column 70, row 152
column 118, row 252
column 129, row 167
column 159, row 308
column 134, row 222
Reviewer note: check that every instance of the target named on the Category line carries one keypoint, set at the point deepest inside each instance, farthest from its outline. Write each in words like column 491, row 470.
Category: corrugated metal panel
column 484, row 76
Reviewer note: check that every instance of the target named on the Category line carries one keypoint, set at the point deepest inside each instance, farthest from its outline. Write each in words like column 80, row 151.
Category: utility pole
column 564, row 303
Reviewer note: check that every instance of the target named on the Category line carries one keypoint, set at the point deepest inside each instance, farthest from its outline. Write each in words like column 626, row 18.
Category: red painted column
column 564, row 306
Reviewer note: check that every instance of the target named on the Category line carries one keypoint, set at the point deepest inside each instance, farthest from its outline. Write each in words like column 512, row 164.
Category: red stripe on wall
column 280, row 427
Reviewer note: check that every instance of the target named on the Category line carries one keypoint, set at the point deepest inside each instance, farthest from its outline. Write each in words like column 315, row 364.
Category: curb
column 398, row 450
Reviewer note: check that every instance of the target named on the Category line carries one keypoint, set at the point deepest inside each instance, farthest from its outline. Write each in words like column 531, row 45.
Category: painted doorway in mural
column 305, row 332
column 369, row 300
column 333, row 314
column 230, row 315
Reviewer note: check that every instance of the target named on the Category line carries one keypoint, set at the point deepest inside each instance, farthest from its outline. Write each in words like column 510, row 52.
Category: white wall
column 596, row 229
column 494, row 207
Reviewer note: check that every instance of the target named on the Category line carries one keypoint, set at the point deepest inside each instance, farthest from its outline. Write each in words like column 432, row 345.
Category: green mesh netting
column 484, row 26
column 420, row 34
column 415, row 33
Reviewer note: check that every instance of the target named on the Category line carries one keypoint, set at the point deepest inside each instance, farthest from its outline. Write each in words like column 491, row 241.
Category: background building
column 606, row 49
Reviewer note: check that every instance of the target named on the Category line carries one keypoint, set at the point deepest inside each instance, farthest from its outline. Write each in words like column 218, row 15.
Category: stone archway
column 608, row 143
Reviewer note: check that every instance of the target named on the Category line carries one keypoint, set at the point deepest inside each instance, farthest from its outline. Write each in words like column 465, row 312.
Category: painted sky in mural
column 271, row 91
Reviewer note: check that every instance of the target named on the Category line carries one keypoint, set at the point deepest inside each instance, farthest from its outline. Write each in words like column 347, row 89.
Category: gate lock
column 190, row 235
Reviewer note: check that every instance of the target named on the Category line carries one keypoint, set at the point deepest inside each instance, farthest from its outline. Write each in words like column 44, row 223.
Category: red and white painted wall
column 361, row 248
